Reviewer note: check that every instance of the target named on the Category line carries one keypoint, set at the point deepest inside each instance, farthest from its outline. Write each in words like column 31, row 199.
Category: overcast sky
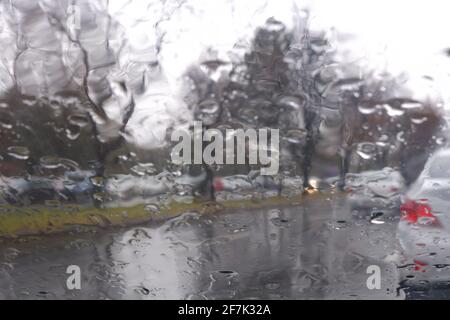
column 402, row 36
column 397, row 35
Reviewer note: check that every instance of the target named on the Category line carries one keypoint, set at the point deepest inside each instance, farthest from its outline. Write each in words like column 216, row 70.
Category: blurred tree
column 291, row 80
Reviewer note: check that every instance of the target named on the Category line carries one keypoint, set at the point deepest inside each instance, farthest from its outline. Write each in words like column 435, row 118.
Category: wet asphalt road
column 317, row 250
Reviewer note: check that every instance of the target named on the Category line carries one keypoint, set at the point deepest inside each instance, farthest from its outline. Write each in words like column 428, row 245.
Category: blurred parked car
column 242, row 185
column 27, row 191
column 424, row 227
column 76, row 186
column 73, row 186
column 130, row 190
column 374, row 189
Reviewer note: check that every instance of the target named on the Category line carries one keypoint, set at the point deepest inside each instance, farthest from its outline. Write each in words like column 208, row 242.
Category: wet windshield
column 194, row 150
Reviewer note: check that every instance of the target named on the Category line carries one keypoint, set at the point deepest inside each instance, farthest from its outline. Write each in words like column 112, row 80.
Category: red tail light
column 420, row 265
column 418, row 213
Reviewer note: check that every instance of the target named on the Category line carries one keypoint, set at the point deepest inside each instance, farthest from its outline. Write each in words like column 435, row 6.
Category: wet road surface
column 318, row 250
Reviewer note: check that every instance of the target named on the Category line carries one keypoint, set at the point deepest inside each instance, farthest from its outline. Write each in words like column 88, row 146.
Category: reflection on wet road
column 318, row 250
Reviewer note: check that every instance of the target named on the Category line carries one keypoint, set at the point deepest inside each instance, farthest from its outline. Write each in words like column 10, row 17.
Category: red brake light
column 418, row 213
column 420, row 265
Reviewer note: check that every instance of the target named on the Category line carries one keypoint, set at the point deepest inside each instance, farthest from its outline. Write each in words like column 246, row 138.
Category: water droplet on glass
column 292, row 102
column 21, row 153
column 99, row 196
column 152, row 208
column 143, row 291
column 392, row 111
column 248, row 115
column 6, row 121
column 78, row 120
column 208, row 111
column 295, row 136
column 97, row 181
column 366, row 150
column 419, row 120
column 73, row 133
column 366, row 109
column 50, row 162
column 400, row 136
column 142, row 169
column 440, row 140
column 280, row 222
column 272, row 286
column 383, row 141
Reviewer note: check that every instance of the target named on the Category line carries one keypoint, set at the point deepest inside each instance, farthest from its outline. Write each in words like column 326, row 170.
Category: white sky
column 396, row 35
column 403, row 36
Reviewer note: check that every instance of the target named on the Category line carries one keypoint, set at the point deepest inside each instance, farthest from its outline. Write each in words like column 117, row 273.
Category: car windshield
column 217, row 150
